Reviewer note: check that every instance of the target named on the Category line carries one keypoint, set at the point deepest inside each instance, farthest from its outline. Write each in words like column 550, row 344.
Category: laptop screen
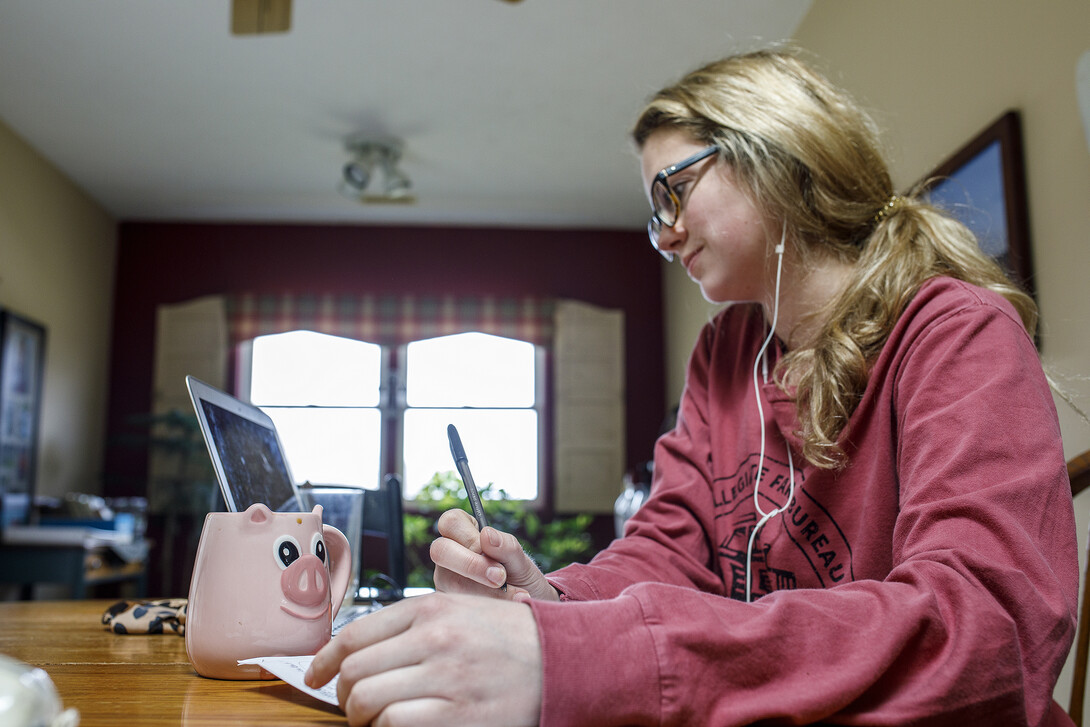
column 246, row 451
column 251, row 459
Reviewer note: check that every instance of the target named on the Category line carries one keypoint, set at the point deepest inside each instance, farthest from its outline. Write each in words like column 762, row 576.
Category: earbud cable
column 757, row 364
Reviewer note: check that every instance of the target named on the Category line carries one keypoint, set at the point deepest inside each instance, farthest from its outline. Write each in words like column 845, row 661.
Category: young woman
column 862, row 515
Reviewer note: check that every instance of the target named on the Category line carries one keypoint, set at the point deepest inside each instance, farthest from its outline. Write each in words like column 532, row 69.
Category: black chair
column 382, row 550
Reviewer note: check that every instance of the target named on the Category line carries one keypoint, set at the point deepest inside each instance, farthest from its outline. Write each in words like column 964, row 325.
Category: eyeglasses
column 665, row 204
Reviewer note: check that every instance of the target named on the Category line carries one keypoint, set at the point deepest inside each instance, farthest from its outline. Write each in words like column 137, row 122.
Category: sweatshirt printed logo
column 801, row 547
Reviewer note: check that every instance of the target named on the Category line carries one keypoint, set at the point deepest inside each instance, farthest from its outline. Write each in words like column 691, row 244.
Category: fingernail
column 494, row 537
column 495, row 575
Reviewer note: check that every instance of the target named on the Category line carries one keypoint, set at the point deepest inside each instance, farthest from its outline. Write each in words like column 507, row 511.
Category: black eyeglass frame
column 657, row 221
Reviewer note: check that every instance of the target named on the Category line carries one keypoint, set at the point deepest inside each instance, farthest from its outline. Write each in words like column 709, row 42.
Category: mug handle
column 340, row 561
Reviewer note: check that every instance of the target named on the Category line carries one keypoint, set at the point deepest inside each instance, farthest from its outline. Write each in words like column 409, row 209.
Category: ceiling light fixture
column 359, row 174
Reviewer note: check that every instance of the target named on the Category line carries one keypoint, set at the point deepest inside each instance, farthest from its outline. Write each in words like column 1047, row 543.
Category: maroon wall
column 170, row 263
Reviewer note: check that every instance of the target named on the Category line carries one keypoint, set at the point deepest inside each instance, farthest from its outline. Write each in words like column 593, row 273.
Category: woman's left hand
column 439, row 659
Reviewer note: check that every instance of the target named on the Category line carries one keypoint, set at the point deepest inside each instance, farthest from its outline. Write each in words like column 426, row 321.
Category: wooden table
column 141, row 679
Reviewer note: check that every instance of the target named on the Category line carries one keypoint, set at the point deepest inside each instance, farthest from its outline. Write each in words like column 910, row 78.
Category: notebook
column 246, row 452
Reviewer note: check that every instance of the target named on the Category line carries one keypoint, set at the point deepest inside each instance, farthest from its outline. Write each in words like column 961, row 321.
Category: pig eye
column 318, row 547
column 287, row 551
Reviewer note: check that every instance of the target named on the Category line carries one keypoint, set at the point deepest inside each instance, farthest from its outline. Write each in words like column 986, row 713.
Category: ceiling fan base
column 260, row 17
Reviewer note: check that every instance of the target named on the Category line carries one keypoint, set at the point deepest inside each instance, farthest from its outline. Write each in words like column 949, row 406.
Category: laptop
column 246, row 451
column 251, row 467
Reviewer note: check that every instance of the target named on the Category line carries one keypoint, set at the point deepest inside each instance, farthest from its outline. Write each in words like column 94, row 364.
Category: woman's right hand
column 468, row 561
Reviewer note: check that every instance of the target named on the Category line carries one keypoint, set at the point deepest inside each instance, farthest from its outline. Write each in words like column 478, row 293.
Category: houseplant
column 552, row 544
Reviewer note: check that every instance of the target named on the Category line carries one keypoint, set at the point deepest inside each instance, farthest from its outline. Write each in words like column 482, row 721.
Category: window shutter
column 589, row 407
column 190, row 339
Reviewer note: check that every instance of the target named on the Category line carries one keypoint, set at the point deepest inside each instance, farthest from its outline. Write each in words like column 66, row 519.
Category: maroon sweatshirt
column 932, row 581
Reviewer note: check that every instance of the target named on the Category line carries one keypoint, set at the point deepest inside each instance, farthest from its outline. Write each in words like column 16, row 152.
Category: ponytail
column 910, row 243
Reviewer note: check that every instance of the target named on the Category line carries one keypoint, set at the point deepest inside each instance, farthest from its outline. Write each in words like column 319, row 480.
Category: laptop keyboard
column 348, row 614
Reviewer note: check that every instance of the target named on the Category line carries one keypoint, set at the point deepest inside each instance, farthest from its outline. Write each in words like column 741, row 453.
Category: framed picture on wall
column 983, row 184
column 22, row 355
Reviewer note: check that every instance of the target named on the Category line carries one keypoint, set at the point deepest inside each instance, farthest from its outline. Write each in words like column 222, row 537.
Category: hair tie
column 895, row 203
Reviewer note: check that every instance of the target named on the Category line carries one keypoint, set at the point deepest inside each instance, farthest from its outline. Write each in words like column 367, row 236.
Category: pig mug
column 263, row 586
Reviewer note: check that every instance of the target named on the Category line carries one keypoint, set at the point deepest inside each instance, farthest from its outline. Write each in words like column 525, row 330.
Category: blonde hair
column 808, row 155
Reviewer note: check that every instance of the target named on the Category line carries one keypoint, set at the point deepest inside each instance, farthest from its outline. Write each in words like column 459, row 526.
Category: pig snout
column 305, row 581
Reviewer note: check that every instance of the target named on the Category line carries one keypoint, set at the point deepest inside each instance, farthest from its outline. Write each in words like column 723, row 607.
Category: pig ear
column 317, row 510
column 258, row 513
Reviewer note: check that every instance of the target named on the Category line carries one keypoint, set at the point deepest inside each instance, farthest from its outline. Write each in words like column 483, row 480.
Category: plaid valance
column 389, row 320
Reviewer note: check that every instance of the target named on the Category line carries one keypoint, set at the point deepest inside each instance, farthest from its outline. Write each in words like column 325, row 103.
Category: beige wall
column 57, row 252
column 935, row 73
column 686, row 312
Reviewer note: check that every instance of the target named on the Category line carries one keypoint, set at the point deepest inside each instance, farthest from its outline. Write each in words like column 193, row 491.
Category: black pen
column 462, row 463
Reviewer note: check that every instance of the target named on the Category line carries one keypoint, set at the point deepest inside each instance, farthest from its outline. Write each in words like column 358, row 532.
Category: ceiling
column 512, row 114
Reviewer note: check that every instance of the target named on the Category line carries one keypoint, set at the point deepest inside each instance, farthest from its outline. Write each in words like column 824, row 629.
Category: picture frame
column 983, row 184
column 22, row 363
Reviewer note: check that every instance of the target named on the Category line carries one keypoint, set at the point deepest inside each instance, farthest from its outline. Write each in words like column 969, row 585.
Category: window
column 323, row 394
column 349, row 411
column 486, row 386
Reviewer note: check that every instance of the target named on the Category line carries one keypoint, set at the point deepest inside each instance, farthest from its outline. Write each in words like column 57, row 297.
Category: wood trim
column 1078, row 470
